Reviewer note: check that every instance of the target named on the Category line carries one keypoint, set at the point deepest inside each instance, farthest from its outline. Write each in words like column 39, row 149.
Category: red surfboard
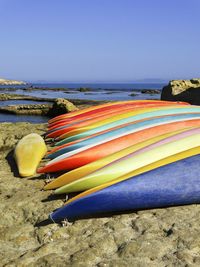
column 115, row 145
column 92, row 110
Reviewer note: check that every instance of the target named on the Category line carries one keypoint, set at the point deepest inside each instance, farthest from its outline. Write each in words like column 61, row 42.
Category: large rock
column 62, row 106
column 182, row 90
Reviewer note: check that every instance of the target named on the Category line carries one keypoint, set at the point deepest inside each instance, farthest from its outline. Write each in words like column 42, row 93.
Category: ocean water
column 95, row 86
column 98, row 91
column 21, row 102
column 23, row 118
column 103, row 91
column 105, row 86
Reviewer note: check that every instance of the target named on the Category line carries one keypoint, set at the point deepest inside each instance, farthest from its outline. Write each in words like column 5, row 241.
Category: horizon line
column 102, row 82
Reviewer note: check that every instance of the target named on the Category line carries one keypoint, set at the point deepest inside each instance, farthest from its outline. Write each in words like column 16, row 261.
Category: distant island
column 11, row 82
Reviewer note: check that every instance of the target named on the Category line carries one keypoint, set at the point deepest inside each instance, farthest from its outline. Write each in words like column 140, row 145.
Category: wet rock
column 42, row 88
column 84, row 89
column 133, row 94
column 182, row 90
column 61, row 106
column 150, row 91
column 11, row 89
column 27, row 109
column 111, row 92
column 87, row 102
column 4, row 97
column 71, row 92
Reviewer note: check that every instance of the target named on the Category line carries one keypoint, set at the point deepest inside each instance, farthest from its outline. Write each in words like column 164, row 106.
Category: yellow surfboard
column 28, row 154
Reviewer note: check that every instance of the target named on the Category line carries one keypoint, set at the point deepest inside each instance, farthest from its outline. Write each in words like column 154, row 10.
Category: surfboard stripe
column 65, row 127
column 103, row 138
column 132, row 105
column 132, row 162
column 90, row 110
column 103, row 149
column 123, row 119
column 91, row 167
column 60, row 151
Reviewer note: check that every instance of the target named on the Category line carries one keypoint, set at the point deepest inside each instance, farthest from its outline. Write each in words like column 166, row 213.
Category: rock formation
column 84, row 89
column 62, row 106
column 182, row 90
column 27, row 109
column 11, row 82
column 5, row 97
column 59, row 107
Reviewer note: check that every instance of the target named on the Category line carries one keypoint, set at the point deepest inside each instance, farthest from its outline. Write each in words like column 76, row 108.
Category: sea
column 97, row 91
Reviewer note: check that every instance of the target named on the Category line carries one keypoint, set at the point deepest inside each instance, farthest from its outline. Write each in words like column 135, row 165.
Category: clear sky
column 99, row 40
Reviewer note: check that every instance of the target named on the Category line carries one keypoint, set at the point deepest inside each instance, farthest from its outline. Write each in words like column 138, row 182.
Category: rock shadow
column 191, row 95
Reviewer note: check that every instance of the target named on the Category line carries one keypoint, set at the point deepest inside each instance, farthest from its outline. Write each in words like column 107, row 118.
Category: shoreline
column 43, row 107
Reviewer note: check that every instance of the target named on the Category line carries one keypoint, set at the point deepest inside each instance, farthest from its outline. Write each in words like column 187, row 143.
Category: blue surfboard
column 174, row 184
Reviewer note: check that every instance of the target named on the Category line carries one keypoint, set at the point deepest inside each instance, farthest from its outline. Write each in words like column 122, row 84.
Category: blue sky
column 99, row 40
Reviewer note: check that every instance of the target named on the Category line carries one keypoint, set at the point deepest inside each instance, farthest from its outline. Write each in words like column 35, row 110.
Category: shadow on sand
column 13, row 166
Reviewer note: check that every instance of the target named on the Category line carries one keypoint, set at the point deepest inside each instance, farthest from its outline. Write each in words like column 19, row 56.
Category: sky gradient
column 99, row 40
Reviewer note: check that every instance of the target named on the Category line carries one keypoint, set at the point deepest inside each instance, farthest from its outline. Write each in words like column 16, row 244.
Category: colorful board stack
column 124, row 156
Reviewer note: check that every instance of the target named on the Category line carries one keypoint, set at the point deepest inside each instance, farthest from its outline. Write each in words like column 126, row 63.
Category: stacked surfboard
column 123, row 156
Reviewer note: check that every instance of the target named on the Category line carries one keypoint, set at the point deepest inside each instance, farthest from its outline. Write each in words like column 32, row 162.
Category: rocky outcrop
column 133, row 94
column 61, row 106
column 84, row 89
column 11, row 82
column 27, row 109
column 4, row 97
column 51, row 110
column 182, row 90
column 158, row 237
